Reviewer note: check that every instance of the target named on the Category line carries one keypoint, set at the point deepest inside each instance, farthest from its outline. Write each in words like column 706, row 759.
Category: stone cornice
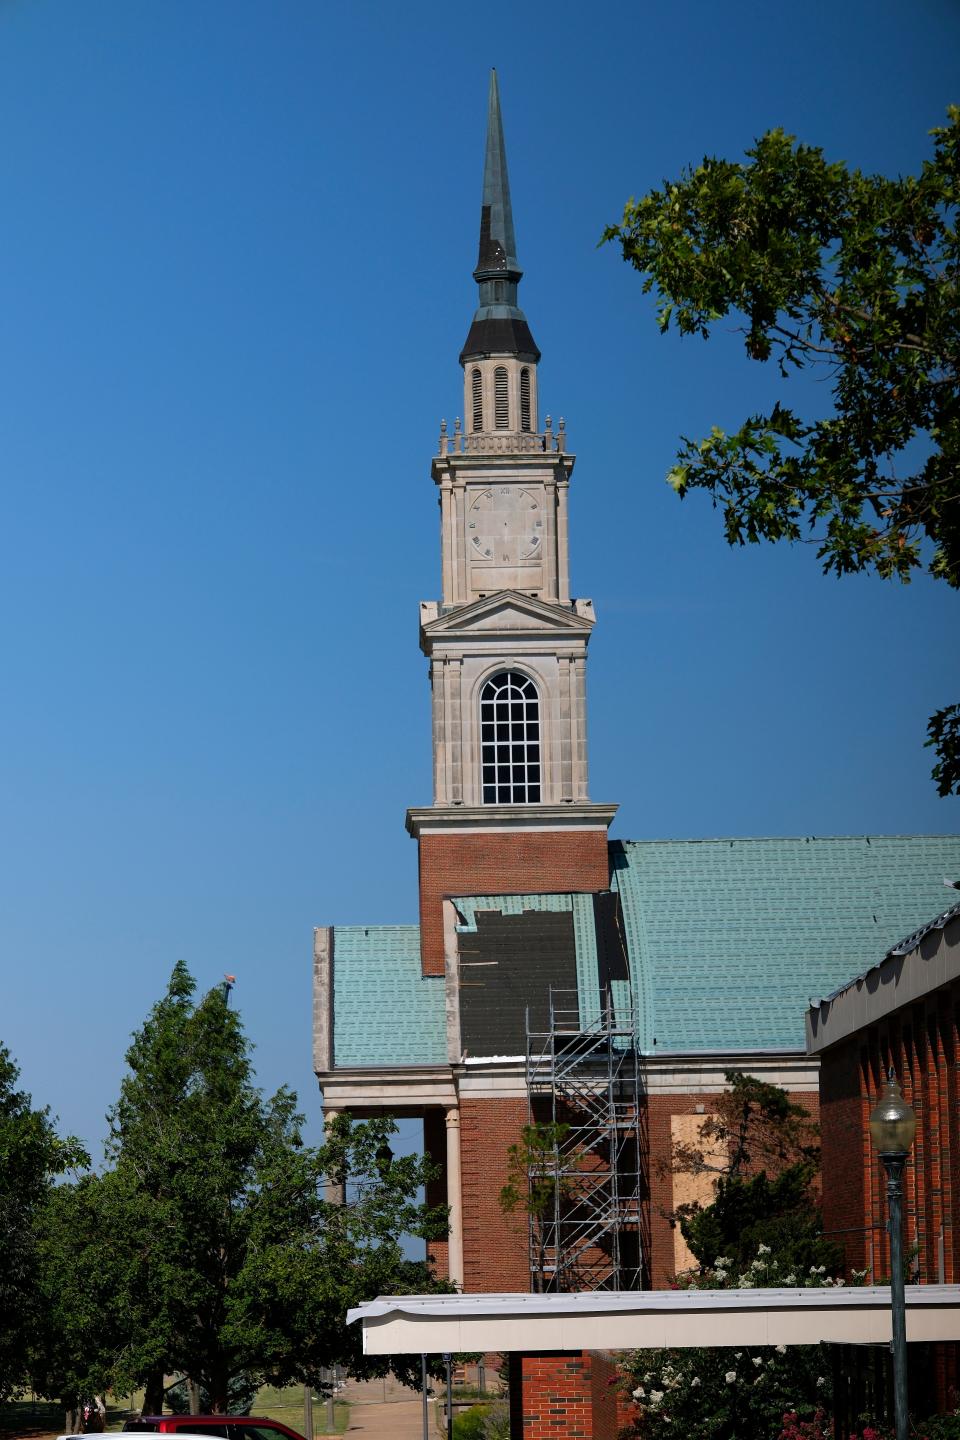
column 398, row 1089
column 480, row 463
column 453, row 819
column 545, row 618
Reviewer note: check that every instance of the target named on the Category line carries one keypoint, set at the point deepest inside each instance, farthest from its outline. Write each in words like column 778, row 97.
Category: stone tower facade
column 507, row 644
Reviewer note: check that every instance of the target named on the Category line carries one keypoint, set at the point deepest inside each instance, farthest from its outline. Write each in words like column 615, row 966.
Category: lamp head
column 892, row 1122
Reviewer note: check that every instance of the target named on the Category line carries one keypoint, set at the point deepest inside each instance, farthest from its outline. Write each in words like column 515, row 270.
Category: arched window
column 476, row 397
column 510, row 740
column 501, row 404
column 524, row 399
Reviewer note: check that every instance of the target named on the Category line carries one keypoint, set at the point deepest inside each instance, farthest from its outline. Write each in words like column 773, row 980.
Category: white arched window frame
column 510, row 741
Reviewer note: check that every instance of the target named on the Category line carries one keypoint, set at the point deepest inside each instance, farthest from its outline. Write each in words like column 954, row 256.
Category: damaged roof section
column 598, row 953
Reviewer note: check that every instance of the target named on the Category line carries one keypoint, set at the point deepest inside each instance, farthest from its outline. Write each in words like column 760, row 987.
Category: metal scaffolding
column 585, row 1147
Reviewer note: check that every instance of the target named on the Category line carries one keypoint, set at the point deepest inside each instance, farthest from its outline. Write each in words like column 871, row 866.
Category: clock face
column 505, row 526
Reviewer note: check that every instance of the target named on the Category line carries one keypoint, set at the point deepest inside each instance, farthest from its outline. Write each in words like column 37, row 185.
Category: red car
column 218, row 1427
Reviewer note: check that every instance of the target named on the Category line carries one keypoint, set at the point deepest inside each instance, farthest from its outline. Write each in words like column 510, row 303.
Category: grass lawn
column 287, row 1405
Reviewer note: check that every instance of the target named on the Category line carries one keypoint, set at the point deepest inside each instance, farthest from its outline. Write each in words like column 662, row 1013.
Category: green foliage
column 468, row 1425
column 31, row 1156
column 489, row 1421
column 210, row 1250
column 541, row 1176
column 852, row 277
column 940, row 1427
column 725, row 1394
column 781, row 1215
column 754, row 1125
column 531, row 1167
column 943, row 732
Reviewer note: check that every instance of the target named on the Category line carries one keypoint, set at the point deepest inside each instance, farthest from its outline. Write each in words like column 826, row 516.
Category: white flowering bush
column 723, row 1394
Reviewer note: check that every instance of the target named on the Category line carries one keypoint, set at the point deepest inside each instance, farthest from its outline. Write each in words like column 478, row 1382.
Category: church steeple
column 506, row 640
column 499, row 325
column 498, row 247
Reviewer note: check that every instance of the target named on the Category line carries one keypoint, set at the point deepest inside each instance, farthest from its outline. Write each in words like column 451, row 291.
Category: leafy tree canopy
column 764, row 1149
column 852, row 277
column 31, row 1156
column 210, row 1248
column 759, row 1215
column 754, row 1125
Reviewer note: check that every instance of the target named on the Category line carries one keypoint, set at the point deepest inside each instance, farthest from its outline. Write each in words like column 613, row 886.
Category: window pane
column 509, row 740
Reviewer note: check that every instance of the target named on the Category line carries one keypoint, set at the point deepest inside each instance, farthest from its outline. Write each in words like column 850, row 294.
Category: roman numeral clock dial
column 505, row 538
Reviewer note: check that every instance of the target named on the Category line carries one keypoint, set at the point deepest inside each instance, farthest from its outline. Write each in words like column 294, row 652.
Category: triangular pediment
column 509, row 610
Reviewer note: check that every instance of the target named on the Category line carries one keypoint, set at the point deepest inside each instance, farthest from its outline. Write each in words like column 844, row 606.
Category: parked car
column 214, row 1427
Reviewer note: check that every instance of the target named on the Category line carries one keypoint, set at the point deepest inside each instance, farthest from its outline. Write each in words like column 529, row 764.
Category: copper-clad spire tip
column 499, row 325
column 498, row 246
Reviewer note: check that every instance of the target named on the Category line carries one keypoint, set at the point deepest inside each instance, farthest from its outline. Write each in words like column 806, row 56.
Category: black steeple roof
column 499, row 326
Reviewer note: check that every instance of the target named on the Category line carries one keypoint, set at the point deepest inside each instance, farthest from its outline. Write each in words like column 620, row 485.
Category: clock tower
column 507, row 643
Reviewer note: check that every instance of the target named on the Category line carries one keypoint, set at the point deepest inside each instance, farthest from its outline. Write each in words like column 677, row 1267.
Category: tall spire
column 498, row 247
column 499, row 325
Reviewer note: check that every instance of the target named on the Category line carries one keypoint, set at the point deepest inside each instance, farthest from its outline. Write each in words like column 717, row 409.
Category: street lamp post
column 893, row 1126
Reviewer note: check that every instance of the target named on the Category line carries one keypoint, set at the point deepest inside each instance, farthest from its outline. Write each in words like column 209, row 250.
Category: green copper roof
column 385, row 1011
column 729, row 939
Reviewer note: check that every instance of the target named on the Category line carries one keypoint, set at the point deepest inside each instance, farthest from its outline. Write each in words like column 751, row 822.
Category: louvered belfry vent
column 501, row 401
column 476, row 394
column 524, row 399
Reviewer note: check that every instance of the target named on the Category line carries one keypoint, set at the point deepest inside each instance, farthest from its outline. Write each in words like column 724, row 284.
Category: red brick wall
column 495, row 1255
column 660, row 1110
column 550, row 1394
column 921, row 1043
column 612, row 1409
column 510, row 862
column 845, row 1141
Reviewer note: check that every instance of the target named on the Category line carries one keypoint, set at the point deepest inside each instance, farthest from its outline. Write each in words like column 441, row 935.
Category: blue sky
column 237, row 239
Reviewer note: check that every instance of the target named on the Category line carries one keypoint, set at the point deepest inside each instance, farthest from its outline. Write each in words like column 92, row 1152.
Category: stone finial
column 443, row 437
column 562, row 435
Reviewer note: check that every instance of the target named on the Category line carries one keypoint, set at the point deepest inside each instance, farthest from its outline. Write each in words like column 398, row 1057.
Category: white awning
column 650, row 1319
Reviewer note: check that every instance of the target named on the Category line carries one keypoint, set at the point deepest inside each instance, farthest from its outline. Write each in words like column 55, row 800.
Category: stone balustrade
column 502, row 442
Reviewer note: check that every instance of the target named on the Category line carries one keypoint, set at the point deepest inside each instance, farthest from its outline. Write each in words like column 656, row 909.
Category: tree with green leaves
column 764, row 1150
column 32, row 1155
column 852, row 278
column 541, row 1182
column 753, row 1126
column 210, row 1249
column 761, row 1229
